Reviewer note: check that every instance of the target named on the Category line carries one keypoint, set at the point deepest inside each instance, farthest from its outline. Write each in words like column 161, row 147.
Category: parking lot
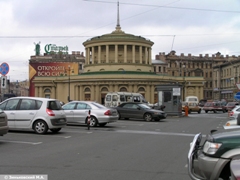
column 122, row 150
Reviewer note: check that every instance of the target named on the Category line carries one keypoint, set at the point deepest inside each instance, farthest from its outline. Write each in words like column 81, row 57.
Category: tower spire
column 118, row 27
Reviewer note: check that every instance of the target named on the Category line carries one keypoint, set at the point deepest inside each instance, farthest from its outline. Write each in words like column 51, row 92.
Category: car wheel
column 93, row 121
column 190, row 111
column 40, row 127
column 56, row 130
column 126, row 118
column 147, row 117
column 102, row 124
column 199, row 111
column 119, row 117
column 206, row 111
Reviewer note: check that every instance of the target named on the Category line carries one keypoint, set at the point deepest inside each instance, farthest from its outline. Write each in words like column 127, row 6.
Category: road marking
column 40, row 135
column 22, row 142
column 157, row 133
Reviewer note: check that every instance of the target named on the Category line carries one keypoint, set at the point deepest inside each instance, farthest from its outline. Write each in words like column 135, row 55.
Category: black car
column 139, row 111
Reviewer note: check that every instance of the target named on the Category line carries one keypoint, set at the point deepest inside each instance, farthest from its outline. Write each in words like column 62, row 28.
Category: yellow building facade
column 114, row 62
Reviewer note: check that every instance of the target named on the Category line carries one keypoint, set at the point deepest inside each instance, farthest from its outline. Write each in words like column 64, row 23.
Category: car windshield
column 144, row 106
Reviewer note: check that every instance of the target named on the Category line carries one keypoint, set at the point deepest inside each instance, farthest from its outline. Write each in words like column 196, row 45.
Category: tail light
column 231, row 113
column 108, row 113
column 50, row 112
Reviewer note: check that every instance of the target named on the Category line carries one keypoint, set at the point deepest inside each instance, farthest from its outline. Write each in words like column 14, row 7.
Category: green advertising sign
column 53, row 48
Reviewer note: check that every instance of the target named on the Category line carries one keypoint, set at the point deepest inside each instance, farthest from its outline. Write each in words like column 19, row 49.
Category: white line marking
column 22, row 142
column 160, row 133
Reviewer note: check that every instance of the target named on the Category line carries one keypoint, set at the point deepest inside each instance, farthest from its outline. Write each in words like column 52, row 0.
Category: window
column 83, row 106
column 108, row 98
column 11, row 104
column 114, row 98
column 69, row 106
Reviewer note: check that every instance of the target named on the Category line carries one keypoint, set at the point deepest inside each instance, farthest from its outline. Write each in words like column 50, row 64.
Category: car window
column 11, row 104
column 144, row 106
column 25, row 104
column 83, row 106
column 128, row 106
column 54, row 105
column 2, row 105
column 39, row 104
column 108, row 98
column 135, row 106
column 114, row 98
column 69, row 106
column 122, row 98
column 136, row 99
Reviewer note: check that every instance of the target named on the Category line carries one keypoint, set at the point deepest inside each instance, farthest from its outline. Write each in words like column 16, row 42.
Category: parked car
column 234, row 112
column 213, row 106
column 192, row 107
column 211, row 159
column 230, row 105
column 77, row 113
column 3, row 123
column 38, row 114
column 139, row 111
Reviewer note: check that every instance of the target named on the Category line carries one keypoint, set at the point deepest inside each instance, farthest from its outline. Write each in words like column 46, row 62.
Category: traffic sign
column 3, row 81
column 237, row 96
column 238, row 85
column 4, row 68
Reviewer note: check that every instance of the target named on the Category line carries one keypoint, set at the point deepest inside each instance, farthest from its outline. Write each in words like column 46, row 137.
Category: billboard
column 50, row 69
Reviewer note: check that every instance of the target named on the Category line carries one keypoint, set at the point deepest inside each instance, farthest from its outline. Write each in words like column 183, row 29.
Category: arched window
column 87, row 90
column 104, row 89
column 141, row 89
column 47, row 91
column 123, row 89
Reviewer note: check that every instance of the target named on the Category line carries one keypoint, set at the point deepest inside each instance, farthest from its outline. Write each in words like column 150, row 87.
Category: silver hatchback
column 39, row 114
column 77, row 113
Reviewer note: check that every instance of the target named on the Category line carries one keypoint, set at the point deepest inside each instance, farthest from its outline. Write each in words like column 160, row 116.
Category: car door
column 69, row 111
column 81, row 112
column 136, row 111
column 9, row 108
column 25, row 113
column 125, row 110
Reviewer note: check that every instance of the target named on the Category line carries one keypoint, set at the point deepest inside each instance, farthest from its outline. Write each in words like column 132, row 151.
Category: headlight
column 210, row 147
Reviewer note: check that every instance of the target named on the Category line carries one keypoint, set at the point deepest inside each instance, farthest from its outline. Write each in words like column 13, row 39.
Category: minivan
column 34, row 113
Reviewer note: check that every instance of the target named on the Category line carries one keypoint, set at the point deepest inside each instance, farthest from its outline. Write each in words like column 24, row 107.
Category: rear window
column 54, row 105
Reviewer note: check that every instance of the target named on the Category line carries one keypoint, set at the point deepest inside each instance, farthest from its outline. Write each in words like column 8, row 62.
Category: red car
column 230, row 106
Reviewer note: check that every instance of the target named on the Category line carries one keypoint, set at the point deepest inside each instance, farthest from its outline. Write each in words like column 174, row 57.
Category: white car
column 234, row 112
column 38, row 114
column 77, row 112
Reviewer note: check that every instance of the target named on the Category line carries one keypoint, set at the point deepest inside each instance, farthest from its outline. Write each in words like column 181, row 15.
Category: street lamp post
column 69, row 83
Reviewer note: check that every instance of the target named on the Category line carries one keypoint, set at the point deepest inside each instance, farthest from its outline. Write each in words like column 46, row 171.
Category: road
column 125, row 150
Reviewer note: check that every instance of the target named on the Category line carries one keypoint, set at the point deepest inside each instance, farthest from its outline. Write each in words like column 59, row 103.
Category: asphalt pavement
column 124, row 150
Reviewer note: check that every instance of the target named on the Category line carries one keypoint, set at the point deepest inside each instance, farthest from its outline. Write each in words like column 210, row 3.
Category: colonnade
column 103, row 54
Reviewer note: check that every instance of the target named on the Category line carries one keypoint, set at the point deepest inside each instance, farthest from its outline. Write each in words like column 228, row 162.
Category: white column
column 133, row 53
column 107, row 53
column 146, row 55
column 116, row 53
column 150, row 55
column 125, row 53
column 99, row 54
column 93, row 55
column 140, row 54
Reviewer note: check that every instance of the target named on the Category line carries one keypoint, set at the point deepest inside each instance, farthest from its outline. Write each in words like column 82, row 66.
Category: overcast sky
column 186, row 26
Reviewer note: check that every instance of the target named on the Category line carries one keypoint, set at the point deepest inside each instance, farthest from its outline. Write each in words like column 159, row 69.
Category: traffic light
column 3, row 81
